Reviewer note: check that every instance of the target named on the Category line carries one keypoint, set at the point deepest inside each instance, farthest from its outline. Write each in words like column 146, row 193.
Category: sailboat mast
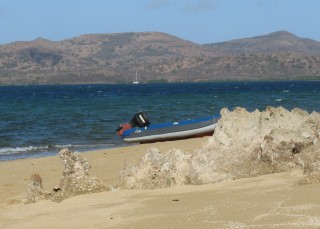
column 136, row 75
column 136, row 81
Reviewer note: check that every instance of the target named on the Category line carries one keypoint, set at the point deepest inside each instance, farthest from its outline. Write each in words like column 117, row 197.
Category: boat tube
column 140, row 129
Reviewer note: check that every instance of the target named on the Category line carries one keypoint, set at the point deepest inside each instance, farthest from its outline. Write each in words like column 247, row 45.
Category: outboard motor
column 139, row 119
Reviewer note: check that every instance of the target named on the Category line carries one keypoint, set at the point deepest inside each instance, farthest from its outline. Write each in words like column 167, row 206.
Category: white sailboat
column 136, row 81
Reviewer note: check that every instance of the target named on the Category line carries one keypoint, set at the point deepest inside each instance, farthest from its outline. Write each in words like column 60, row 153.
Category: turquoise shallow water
column 37, row 121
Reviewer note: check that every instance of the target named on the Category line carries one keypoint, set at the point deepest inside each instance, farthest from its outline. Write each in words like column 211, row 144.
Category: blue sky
column 200, row 21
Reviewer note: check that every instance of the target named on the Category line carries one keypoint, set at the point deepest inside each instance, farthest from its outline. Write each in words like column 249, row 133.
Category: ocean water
column 37, row 121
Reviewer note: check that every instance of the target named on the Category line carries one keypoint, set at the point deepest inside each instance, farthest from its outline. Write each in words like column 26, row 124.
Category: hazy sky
column 200, row 21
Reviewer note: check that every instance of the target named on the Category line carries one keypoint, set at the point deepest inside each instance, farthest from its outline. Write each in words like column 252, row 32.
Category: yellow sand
column 268, row 201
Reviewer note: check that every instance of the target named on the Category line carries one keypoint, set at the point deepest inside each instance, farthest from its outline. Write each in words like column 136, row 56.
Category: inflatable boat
column 140, row 130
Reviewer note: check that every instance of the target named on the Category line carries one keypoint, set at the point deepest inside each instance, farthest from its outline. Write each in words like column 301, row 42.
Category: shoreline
column 266, row 201
column 235, row 80
column 52, row 153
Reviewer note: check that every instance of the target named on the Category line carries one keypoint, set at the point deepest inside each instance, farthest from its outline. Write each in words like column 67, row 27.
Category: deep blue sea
column 37, row 121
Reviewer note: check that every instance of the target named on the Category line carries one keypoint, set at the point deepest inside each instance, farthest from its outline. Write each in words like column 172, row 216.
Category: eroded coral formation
column 157, row 170
column 75, row 180
column 35, row 191
column 244, row 144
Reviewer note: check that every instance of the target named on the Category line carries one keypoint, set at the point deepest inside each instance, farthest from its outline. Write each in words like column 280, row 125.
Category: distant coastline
column 158, row 57
column 304, row 78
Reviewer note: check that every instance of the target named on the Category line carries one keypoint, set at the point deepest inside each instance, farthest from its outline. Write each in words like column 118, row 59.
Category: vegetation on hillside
column 158, row 57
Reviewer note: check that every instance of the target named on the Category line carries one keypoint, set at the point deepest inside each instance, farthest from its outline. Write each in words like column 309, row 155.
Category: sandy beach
column 269, row 201
column 258, row 170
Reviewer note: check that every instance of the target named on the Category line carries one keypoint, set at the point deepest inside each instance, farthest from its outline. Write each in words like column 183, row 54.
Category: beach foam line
column 16, row 150
column 83, row 147
column 19, row 150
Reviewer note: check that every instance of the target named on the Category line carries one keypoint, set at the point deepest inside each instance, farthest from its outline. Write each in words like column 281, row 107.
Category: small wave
column 286, row 91
column 278, row 100
column 19, row 150
column 82, row 146
column 16, row 150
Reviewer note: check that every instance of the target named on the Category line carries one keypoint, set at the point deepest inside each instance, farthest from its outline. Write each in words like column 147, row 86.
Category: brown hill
column 281, row 41
column 112, row 58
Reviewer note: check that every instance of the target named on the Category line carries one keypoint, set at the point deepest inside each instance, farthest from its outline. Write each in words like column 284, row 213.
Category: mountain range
column 158, row 57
